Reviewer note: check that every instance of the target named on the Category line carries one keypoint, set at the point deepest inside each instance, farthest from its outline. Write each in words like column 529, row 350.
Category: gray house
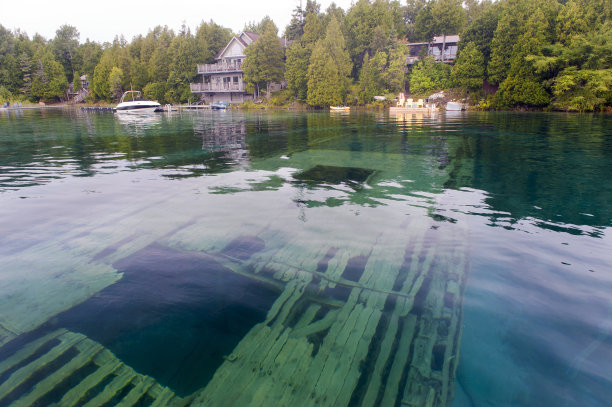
column 222, row 81
column 443, row 49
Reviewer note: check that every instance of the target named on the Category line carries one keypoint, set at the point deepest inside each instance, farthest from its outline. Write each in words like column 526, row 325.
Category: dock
column 430, row 109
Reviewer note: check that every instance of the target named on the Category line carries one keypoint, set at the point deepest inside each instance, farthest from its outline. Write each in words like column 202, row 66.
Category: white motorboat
column 132, row 102
column 454, row 106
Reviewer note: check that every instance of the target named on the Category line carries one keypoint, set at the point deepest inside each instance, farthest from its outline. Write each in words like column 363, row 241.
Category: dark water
column 156, row 204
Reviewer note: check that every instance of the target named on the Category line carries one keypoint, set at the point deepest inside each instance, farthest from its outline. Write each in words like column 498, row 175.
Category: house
column 443, row 49
column 223, row 80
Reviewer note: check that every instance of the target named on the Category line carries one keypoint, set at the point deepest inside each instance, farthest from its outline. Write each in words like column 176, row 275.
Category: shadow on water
column 174, row 315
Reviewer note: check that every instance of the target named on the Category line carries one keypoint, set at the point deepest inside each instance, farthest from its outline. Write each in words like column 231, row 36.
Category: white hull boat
column 454, row 106
column 132, row 103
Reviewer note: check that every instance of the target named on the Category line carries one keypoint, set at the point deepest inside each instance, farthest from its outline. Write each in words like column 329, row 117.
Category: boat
column 339, row 108
column 454, row 106
column 218, row 106
column 132, row 102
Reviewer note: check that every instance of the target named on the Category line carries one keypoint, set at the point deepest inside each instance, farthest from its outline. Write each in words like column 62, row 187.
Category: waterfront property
column 223, row 80
column 443, row 48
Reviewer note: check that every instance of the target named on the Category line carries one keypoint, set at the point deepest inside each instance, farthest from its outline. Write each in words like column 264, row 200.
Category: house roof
column 246, row 38
column 241, row 39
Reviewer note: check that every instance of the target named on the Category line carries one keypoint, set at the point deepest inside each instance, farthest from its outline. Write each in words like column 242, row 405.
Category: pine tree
column 522, row 86
column 329, row 69
column 264, row 60
column 114, row 83
column 324, row 87
column 76, row 83
column 367, row 81
column 25, row 67
column 468, row 71
column 296, row 70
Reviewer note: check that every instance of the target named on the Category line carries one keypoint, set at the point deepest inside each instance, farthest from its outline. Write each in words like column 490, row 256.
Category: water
column 172, row 240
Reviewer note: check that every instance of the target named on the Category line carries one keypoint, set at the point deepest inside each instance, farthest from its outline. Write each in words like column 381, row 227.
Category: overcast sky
column 101, row 20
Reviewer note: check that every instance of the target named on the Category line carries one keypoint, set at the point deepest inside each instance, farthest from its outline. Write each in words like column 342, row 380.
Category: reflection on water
column 319, row 257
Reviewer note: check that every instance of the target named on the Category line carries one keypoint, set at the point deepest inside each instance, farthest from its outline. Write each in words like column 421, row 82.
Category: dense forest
column 552, row 54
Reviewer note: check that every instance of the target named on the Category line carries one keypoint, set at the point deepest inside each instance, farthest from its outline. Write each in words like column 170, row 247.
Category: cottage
column 443, row 49
column 223, row 80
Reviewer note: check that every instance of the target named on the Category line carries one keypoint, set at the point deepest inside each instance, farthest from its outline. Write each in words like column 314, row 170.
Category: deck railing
column 219, row 67
column 209, row 87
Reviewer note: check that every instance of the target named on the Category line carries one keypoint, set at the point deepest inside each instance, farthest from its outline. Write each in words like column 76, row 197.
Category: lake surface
column 238, row 258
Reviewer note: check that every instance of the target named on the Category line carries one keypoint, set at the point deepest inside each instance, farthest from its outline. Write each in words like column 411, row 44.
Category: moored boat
column 339, row 108
column 218, row 106
column 132, row 102
column 454, row 106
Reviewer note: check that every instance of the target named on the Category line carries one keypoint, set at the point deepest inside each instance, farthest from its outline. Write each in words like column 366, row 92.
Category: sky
column 103, row 19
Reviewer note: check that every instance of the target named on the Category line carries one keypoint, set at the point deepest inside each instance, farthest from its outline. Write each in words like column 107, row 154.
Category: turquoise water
column 165, row 238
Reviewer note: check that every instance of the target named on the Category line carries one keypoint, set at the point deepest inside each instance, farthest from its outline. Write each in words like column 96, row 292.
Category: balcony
column 219, row 67
column 220, row 87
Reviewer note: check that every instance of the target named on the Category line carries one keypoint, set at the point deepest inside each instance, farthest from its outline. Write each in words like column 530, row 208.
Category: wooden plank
column 67, row 340
column 88, row 349
column 326, row 376
column 285, row 295
column 141, row 386
column 297, row 378
column 262, row 389
column 28, row 350
column 307, row 317
column 295, row 297
column 369, row 399
column 400, row 362
column 317, row 326
column 72, row 397
column 312, row 377
column 123, row 378
column 163, row 399
column 353, row 372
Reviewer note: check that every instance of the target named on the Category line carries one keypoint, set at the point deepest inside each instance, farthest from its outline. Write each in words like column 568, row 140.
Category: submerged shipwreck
column 366, row 320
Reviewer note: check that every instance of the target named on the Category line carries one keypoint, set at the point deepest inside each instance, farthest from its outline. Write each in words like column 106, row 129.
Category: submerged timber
column 369, row 321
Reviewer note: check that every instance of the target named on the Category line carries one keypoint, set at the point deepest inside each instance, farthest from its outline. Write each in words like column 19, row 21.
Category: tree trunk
column 443, row 46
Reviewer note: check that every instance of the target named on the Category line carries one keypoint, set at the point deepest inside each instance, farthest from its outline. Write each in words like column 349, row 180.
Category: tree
column 210, row 39
column 468, row 71
column 49, row 82
column 329, row 69
column 314, row 30
column 114, row 83
column 100, row 84
column 522, row 86
column 367, row 81
column 480, row 32
column 370, row 27
column 260, row 27
column 296, row 70
column 580, row 73
column 428, row 76
column 25, row 67
column 264, row 60
column 395, row 74
column 510, row 26
column 411, row 11
column 76, row 83
column 324, row 88
column 64, row 46
column 183, row 50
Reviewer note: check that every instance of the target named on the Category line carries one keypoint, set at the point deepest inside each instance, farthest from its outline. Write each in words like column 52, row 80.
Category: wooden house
column 223, row 80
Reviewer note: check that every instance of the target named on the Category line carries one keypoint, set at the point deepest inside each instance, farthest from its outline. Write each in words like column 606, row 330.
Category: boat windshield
column 130, row 96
